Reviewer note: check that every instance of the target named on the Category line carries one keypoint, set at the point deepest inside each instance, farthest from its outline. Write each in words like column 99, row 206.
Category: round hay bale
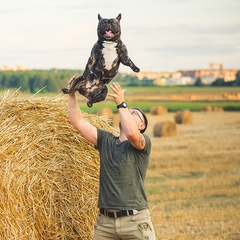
column 228, row 96
column 105, row 112
column 218, row 109
column 49, row 173
column 183, row 117
column 206, row 109
column 115, row 120
column 192, row 97
column 165, row 129
column 173, row 97
column 158, row 110
column 225, row 95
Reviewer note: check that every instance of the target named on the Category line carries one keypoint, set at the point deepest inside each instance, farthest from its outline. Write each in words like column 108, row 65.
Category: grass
column 193, row 182
column 179, row 89
column 174, row 98
column 172, row 106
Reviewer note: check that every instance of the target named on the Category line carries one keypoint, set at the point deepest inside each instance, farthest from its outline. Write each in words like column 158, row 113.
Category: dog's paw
column 136, row 69
column 89, row 104
column 65, row 90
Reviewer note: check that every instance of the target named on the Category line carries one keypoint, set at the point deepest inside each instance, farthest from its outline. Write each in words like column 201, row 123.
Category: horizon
column 23, row 68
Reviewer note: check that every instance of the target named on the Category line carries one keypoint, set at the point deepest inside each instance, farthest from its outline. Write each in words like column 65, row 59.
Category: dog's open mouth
column 109, row 34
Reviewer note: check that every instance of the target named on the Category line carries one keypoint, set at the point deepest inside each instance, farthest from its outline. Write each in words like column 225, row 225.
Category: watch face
column 122, row 105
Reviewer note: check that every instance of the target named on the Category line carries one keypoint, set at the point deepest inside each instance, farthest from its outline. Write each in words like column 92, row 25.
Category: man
column 122, row 202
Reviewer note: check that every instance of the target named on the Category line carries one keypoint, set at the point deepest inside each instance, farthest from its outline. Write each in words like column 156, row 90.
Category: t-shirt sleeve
column 148, row 145
column 102, row 135
column 99, row 137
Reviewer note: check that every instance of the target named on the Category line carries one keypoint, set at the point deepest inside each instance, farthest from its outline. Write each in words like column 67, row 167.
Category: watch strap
column 122, row 105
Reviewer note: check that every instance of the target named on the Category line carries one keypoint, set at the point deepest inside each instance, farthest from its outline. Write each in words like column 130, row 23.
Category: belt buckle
column 135, row 211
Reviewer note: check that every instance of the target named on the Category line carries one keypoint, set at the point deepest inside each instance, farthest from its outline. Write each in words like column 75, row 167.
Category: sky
column 160, row 35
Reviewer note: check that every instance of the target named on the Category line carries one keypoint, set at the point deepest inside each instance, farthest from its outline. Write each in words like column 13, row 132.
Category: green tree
column 51, row 85
column 198, row 82
column 218, row 82
column 238, row 75
column 237, row 81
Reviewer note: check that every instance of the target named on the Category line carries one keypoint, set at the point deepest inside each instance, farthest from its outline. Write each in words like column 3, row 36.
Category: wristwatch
column 122, row 105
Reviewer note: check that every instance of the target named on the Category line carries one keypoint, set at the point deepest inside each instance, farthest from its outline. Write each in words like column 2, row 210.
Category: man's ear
column 142, row 126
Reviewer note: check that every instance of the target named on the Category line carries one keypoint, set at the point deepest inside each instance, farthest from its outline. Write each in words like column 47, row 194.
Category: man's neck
column 122, row 137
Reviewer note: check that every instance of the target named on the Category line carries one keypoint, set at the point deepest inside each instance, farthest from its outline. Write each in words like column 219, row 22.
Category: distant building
column 160, row 78
column 210, row 75
column 157, row 75
column 17, row 68
column 189, row 77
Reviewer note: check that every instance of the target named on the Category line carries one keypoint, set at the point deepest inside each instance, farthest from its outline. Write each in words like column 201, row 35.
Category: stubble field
column 193, row 181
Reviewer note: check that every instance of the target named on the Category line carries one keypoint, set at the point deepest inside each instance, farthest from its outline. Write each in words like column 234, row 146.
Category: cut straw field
column 193, row 182
column 49, row 174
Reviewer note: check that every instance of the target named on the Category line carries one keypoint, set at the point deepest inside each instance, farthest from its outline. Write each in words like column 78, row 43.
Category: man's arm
column 86, row 129
column 129, row 126
column 131, row 130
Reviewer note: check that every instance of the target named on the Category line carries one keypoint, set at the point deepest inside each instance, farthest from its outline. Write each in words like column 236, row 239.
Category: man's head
column 141, row 117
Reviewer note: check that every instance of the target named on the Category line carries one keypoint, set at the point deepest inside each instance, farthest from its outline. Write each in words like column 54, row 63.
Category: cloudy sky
column 161, row 35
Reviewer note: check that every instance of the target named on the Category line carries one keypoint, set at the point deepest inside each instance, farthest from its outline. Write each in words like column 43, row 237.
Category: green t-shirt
column 122, row 173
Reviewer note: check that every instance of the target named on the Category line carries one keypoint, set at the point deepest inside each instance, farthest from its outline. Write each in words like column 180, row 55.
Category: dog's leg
column 97, row 94
column 125, row 59
column 76, row 84
column 128, row 62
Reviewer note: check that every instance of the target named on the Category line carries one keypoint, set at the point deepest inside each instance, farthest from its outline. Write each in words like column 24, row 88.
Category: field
column 173, row 98
column 193, row 181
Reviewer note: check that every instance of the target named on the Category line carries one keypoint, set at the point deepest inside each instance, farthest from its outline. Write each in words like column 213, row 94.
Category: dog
column 104, row 61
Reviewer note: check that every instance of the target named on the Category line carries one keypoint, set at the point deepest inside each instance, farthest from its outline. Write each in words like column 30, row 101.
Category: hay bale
column 165, row 129
column 115, row 120
column 105, row 112
column 218, row 109
column 225, row 95
column 183, row 117
column 158, row 110
column 192, row 97
column 229, row 96
column 206, row 109
column 48, row 172
column 174, row 97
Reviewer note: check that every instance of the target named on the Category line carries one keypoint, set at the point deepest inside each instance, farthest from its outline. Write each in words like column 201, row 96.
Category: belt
column 117, row 214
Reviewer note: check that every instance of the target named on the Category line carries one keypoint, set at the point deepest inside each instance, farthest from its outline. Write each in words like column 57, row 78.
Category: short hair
column 145, row 119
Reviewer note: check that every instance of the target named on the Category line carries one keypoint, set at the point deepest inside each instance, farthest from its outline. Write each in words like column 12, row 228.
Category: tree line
column 54, row 80
column 33, row 80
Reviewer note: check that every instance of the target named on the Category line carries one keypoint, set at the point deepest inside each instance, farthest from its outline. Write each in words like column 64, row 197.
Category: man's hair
column 145, row 119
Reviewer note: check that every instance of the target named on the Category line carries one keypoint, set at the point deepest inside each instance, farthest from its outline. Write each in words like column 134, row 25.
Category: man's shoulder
column 147, row 138
column 148, row 143
column 103, row 133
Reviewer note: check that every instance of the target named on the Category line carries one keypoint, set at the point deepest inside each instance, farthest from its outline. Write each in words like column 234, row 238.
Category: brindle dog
column 103, row 64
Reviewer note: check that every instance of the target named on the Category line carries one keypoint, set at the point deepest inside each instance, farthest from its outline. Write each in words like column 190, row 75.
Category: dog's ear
column 99, row 17
column 119, row 17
